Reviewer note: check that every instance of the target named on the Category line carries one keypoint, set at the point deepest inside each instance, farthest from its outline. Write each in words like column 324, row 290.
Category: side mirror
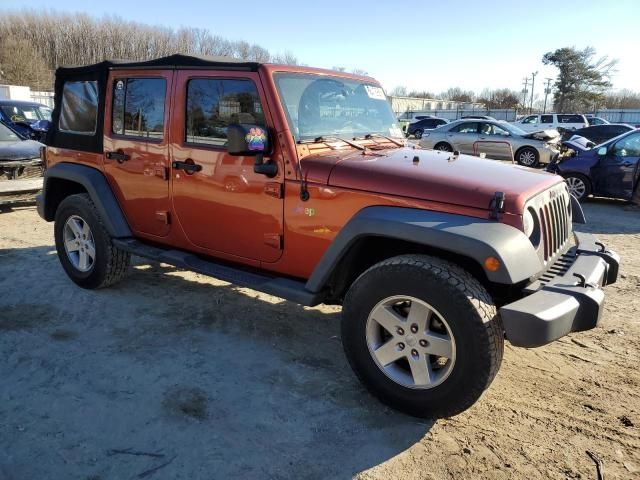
column 602, row 151
column 251, row 140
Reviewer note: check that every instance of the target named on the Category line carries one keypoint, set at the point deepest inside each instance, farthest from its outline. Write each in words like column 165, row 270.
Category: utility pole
column 533, row 81
column 524, row 92
column 547, row 91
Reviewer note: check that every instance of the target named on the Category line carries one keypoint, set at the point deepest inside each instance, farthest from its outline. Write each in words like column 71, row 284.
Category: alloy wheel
column 79, row 243
column 527, row 158
column 576, row 185
column 410, row 342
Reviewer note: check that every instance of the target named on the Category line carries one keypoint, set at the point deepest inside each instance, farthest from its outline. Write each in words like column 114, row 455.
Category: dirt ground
column 173, row 375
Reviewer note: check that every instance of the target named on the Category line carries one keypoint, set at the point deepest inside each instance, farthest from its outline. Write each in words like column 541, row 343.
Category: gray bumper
column 568, row 303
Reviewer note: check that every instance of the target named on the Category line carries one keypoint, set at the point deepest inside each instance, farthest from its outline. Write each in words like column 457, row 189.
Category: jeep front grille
column 553, row 209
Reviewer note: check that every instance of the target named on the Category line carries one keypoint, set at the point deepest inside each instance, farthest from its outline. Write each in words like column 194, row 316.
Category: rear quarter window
column 79, row 108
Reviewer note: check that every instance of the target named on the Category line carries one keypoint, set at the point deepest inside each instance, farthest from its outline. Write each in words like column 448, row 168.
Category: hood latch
column 496, row 207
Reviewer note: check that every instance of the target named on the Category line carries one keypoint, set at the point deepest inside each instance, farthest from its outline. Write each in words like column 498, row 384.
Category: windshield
column 26, row 113
column 325, row 106
column 7, row 135
column 513, row 130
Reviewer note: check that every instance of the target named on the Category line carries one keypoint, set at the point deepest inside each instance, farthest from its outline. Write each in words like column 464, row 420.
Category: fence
column 619, row 116
column 509, row 115
column 45, row 98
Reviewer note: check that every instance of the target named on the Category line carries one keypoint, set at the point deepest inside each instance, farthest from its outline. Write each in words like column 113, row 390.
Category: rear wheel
column 579, row 185
column 84, row 246
column 527, row 157
column 443, row 147
column 422, row 335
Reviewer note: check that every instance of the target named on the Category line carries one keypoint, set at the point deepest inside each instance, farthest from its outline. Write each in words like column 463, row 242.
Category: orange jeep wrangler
column 297, row 182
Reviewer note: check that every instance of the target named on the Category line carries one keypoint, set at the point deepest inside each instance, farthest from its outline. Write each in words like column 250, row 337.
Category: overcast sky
column 421, row 45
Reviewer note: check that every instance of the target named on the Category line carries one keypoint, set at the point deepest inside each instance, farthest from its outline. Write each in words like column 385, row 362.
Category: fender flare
column 96, row 185
column 471, row 237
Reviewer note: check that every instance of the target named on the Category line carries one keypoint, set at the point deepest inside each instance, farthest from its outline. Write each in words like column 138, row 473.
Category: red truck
column 297, row 182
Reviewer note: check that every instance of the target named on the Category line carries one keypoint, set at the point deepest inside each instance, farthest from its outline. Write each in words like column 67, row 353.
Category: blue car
column 610, row 169
column 29, row 119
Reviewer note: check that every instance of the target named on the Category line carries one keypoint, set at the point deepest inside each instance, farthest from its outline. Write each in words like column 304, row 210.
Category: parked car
column 432, row 260
column 598, row 133
column 607, row 170
column 417, row 128
column 477, row 117
column 545, row 121
column 30, row 119
column 498, row 140
column 596, row 120
column 19, row 157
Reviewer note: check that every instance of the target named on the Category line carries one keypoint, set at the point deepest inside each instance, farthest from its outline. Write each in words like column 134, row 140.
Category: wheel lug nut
column 423, row 343
column 414, row 352
column 414, row 328
column 401, row 346
column 400, row 331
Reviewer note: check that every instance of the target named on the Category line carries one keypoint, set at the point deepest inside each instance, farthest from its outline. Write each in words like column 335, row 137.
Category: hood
column 549, row 134
column 19, row 150
column 579, row 144
column 466, row 181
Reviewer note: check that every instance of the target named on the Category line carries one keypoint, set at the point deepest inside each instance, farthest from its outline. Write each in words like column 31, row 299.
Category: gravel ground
column 173, row 375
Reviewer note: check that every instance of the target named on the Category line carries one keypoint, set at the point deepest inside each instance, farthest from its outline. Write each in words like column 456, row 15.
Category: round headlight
column 531, row 226
column 527, row 220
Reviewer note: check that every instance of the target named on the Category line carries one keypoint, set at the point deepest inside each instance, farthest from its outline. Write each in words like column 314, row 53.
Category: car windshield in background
column 513, row 130
column 326, row 106
column 7, row 135
column 26, row 113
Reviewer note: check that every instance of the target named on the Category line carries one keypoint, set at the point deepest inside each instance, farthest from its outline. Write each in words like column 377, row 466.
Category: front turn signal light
column 492, row 264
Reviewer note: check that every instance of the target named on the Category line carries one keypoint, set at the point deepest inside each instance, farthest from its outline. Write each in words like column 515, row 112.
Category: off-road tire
column 443, row 147
column 467, row 308
column 111, row 263
column 533, row 152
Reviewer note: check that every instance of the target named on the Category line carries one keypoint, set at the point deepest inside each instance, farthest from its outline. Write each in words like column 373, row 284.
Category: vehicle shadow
column 227, row 382
column 609, row 216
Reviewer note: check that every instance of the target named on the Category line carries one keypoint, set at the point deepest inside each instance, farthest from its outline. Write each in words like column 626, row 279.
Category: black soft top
column 99, row 72
column 171, row 61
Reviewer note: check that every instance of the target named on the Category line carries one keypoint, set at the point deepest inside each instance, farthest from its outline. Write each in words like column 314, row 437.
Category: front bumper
column 570, row 302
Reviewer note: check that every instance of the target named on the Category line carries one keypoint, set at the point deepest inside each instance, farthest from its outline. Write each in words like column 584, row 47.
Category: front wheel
column 528, row 157
column 422, row 335
column 418, row 134
column 578, row 185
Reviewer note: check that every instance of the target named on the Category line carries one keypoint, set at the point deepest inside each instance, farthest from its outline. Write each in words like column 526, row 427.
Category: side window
column 79, row 108
column 138, row 107
column 546, row 118
column 628, row 146
column 531, row 119
column 212, row 104
column 570, row 119
column 466, row 128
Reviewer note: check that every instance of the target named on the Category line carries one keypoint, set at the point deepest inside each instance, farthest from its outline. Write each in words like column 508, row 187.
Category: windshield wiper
column 379, row 135
column 333, row 137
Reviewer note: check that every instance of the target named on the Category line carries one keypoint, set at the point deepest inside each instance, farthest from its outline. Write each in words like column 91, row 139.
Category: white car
column 548, row 121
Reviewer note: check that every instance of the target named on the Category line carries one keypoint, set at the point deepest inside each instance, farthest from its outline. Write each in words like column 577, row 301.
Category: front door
column 136, row 156
column 494, row 142
column 616, row 172
column 223, row 206
column 463, row 137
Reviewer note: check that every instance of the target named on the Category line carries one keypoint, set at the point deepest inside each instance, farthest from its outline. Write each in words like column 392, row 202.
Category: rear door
column 616, row 174
column 224, row 207
column 136, row 156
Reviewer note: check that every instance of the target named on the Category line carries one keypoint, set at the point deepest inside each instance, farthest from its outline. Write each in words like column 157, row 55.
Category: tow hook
column 583, row 281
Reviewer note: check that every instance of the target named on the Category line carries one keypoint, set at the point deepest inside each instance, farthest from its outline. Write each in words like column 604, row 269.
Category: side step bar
column 288, row 289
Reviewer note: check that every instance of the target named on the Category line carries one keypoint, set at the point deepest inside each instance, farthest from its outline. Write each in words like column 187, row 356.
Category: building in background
column 17, row 92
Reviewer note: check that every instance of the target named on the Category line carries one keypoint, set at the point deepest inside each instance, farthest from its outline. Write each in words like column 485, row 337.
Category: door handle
column 188, row 167
column 119, row 156
column 627, row 164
